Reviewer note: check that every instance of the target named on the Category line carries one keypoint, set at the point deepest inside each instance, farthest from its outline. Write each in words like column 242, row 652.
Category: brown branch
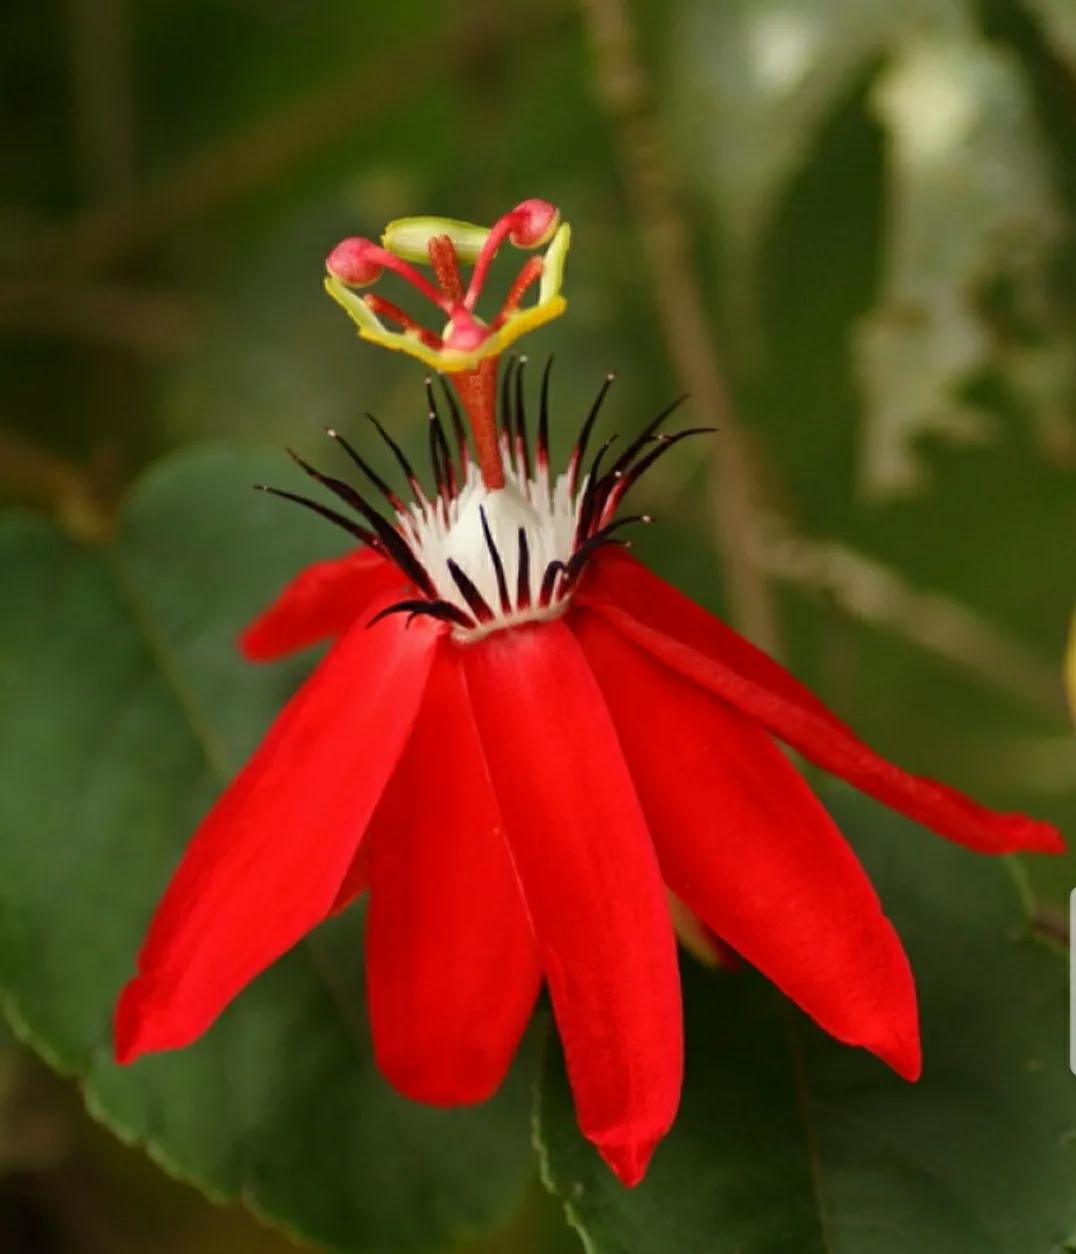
column 687, row 326
column 36, row 476
column 1050, row 923
column 261, row 153
column 871, row 592
column 157, row 324
column 102, row 93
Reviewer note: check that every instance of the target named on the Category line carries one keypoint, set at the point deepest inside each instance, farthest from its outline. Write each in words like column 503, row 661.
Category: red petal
column 591, row 883
column 614, row 577
column 686, row 638
column 451, row 964
column 356, row 881
column 266, row 863
column 323, row 600
column 744, row 841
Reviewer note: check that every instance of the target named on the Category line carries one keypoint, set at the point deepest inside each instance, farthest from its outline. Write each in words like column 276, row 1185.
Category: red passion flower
column 533, row 754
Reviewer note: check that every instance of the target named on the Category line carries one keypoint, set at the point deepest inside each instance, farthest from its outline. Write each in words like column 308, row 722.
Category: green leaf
column 1058, row 18
column 974, row 228
column 789, row 1141
column 124, row 709
column 973, row 217
column 751, row 82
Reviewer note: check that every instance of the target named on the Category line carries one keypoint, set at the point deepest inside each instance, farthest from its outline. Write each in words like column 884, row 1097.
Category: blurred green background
column 873, row 203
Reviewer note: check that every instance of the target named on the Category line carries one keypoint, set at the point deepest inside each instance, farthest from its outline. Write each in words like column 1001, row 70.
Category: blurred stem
column 74, row 495
column 102, row 94
column 687, row 326
column 121, row 315
column 263, row 152
column 871, row 592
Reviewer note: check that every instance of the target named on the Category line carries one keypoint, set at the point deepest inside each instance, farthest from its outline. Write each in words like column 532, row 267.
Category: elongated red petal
column 744, row 841
column 591, row 883
column 321, row 602
column 615, row 577
column 268, row 860
column 686, row 638
column 451, row 963
column 356, row 881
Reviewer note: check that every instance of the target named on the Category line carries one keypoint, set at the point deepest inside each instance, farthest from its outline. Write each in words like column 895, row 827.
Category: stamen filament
column 529, row 274
column 490, row 248
column 386, row 309
column 407, row 272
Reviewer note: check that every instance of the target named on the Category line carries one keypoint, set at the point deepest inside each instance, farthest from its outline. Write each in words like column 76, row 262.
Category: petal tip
column 904, row 1053
column 1017, row 833
column 1048, row 838
column 447, row 1089
column 145, row 1022
column 908, row 1062
column 251, row 645
column 127, row 1045
column 628, row 1160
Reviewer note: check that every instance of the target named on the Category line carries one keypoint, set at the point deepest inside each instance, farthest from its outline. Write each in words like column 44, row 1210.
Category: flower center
column 499, row 541
column 483, row 557
column 510, row 545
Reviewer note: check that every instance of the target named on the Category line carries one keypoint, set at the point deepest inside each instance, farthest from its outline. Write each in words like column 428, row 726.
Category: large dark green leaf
column 124, row 709
column 1059, row 22
column 788, row 1141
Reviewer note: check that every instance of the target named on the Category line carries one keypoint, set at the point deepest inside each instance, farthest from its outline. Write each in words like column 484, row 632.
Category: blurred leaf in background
column 876, row 206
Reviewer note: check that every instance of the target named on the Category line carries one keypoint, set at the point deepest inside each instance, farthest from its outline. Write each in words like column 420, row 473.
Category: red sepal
column 268, row 860
column 686, row 638
column 746, row 844
column 451, row 964
column 591, row 883
column 321, row 602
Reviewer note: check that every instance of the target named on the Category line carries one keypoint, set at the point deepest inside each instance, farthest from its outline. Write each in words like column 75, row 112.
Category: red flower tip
column 149, row 1018
column 253, row 645
column 628, row 1160
column 533, row 223
column 131, row 1025
column 1034, row 835
column 355, row 262
column 462, row 1077
column 895, row 1039
column 906, row 1058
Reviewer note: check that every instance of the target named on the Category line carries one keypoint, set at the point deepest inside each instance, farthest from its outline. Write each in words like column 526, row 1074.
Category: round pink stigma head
column 354, row 262
column 533, row 223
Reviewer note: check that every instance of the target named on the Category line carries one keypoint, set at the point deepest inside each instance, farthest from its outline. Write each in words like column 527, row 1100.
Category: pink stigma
column 353, row 263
